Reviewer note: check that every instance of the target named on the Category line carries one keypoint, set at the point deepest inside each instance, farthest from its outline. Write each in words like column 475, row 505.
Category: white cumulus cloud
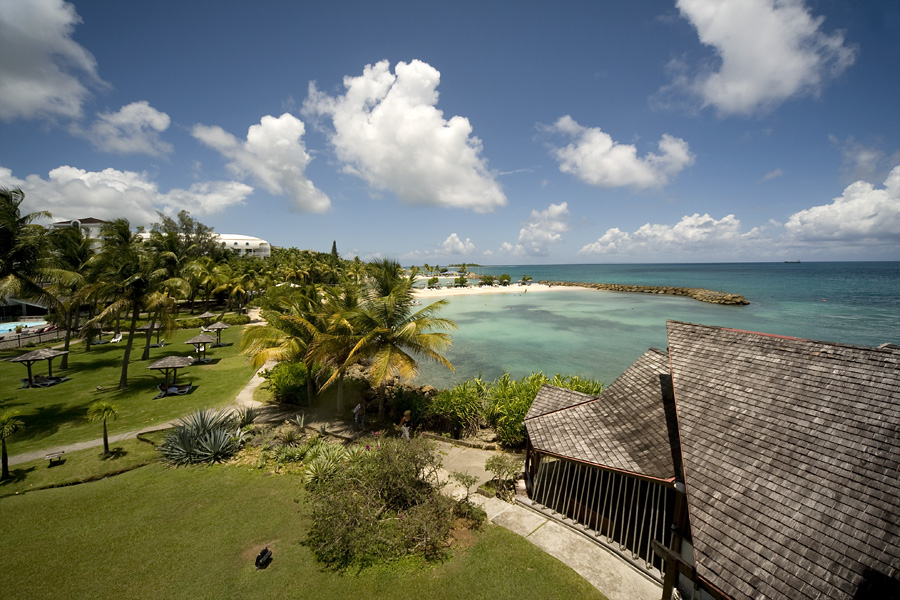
column 694, row 236
column 71, row 193
column 134, row 129
column 388, row 131
column 596, row 159
column 541, row 233
column 454, row 245
column 768, row 51
column 861, row 214
column 43, row 71
column 274, row 155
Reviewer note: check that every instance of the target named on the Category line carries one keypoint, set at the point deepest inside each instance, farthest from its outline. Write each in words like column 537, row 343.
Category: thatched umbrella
column 218, row 326
column 200, row 342
column 34, row 356
column 171, row 364
column 207, row 316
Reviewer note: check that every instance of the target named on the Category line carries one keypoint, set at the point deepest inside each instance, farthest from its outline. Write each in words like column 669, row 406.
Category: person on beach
column 359, row 415
column 405, row 424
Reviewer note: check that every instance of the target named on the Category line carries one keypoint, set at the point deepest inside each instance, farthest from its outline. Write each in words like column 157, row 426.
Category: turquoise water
column 599, row 334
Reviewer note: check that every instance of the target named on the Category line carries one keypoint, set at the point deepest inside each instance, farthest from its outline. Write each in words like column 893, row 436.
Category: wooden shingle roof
column 626, row 428
column 791, row 455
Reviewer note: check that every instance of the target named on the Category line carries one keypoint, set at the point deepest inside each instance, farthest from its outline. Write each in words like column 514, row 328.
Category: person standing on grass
column 359, row 415
column 405, row 424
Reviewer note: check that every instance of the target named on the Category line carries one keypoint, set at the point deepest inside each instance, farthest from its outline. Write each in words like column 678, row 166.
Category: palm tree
column 389, row 334
column 25, row 258
column 101, row 411
column 288, row 336
column 128, row 276
column 334, row 346
column 73, row 250
column 9, row 424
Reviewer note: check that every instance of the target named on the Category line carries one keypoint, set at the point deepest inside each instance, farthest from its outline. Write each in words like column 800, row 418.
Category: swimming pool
column 7, row 327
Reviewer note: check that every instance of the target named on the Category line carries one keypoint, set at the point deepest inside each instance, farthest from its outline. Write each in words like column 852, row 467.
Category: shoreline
column 512, row 288
column 699, row 294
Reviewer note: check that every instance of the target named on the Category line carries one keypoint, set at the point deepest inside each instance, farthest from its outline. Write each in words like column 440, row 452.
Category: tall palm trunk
column 123, row 380
column 5, row 459
column 64, row 363
column 105, row 439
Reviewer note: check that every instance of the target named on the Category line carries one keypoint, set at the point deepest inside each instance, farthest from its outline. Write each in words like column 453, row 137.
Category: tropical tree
column 25, row 257
column 287, row 335
column 390, row 335
column 504, row 279
column 73, row 250
column 9, row 424
column 128, row 276
column 103, row 411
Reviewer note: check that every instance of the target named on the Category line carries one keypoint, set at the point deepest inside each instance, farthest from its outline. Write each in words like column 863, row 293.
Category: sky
column 499, row 132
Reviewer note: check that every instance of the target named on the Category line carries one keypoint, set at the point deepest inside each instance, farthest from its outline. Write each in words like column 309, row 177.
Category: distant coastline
column 703, row 295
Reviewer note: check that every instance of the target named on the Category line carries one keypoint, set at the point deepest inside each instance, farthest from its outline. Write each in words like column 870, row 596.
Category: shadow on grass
column 114, row 454
column 16, row 476
column 8, row 403
column 46, row 420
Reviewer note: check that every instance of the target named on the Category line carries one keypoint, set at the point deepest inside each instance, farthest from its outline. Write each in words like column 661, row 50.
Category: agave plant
column 246, row 416
column 206, row 436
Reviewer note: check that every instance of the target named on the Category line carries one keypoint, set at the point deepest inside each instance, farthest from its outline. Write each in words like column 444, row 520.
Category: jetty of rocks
column 700, row 294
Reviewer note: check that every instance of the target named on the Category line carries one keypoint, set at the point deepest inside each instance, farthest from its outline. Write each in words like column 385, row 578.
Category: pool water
column 7, row 327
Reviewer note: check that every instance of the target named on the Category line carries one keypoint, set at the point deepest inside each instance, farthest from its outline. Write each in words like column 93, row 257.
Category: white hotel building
column 244, row 245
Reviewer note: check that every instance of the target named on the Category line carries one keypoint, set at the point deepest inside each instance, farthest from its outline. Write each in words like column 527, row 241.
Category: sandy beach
column 510, row 289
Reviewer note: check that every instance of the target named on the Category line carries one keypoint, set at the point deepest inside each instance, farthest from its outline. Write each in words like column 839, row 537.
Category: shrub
column 287, row 380
column 457, row 410
column 206, row 436
column 505, row 468
column 380, row 504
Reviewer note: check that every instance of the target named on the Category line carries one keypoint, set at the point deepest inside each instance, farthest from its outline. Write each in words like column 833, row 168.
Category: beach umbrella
column 218, row 326
column 207, row 316
column 34, row 356
column 171, row 364
column 199, row 342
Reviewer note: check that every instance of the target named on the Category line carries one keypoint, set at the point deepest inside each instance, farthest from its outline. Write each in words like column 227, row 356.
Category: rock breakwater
column 700, row 294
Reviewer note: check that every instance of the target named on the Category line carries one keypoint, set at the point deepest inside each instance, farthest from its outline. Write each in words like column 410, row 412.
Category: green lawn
column 81, row 466
column 56, row 415
column 161, row 532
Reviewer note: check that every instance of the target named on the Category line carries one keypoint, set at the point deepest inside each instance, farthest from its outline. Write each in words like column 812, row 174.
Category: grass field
column 55, row 416
column 161, row 532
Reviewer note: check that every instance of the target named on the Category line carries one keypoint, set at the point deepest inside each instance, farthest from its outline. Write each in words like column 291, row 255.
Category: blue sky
column 489, row 132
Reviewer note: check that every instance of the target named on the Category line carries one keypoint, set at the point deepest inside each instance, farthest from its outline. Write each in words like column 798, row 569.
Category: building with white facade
column 243, row 245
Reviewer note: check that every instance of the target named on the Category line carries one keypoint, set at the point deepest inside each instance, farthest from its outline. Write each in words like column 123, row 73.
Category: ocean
column 599, row 334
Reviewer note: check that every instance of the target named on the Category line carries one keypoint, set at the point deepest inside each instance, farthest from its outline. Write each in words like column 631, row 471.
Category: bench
column 55, row 458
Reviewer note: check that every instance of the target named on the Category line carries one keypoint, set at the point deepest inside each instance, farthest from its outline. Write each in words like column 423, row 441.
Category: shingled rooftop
column 791, row 460
column 792, row 463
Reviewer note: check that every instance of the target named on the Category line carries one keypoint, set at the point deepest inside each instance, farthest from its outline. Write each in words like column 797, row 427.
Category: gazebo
column 171, row 364
column 218, row 327
column 34, row 356
column 200, row 342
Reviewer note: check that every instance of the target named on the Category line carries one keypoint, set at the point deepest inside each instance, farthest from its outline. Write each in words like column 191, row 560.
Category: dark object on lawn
column 55, row 458
column 263, row 558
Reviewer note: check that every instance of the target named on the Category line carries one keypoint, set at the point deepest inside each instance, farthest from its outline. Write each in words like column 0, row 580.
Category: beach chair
column 180, row 390
column 116, row 339
column 159, row 345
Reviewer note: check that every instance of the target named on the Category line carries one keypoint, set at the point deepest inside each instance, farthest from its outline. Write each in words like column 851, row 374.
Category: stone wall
column 700, row 294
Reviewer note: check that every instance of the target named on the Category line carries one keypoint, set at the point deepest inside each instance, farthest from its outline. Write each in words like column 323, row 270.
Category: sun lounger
column 158, row 345
column 180, row 390
column 116, row 339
